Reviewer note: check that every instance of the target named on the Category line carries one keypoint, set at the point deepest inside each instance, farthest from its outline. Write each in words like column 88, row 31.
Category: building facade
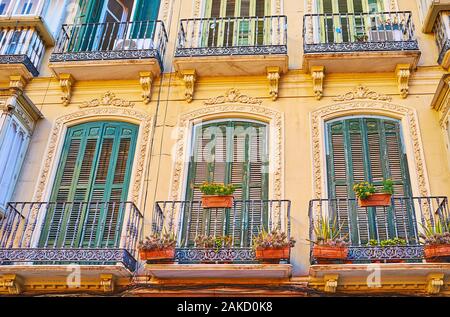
column 116, row 111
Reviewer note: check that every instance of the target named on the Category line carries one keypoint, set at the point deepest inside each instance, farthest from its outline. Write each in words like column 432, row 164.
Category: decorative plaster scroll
column 362, row 92
column 403, row 73
column 146, row 80
column 17, row 82
column 318, row 75
column 273, row 75
column 108, row 100
column 232, row 96
column 165, row 11
column 189, row 78
column 65, row 82
column 367, row 106
column 275, row 119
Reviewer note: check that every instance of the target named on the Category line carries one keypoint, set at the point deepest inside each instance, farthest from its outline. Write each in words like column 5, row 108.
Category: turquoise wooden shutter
column 95, row 167
column 145, row 17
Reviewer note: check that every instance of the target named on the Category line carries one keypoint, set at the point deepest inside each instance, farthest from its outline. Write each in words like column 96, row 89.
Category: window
column 13, row 146
column 4, row 6
column 368, row 149
column 229, row 152
column 95, row 167
column 27, row 7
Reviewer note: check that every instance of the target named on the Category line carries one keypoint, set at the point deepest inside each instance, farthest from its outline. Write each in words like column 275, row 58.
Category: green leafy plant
column 327, row 233
column 158, row 242
column 213, row 242
column 272, row 240
column 361, row 38
column 364, row 190
column 217, row 189
column 436, row 232
column 387, row 243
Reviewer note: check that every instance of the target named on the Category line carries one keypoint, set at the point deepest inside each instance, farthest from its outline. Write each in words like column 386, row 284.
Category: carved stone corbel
column 273, row 75
column 189, row 77
column 12, row 283
column 434, row 283
column 66, row 81
column 403, row 73
column 331, row 283
column 318, row 75
column 146, row 80
column 17, row 82
column 107, row 282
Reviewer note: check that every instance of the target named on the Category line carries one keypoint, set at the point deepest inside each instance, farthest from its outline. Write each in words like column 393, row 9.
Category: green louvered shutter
column 94, row 167
column 239, row 157
column 145, row 11
column 368, row 149
column 83, row 34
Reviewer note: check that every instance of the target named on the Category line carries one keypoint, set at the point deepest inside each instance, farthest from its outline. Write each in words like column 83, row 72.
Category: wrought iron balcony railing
column 232, row 36
column 111, row 41
column 360, row 225
column 358, row 32
column 21, row 45
column 241, row 223
column 70, row 232
column 441, row 30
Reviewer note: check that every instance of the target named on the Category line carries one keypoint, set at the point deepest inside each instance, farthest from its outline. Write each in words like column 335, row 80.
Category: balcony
column 359, row 42
column 42, row 236
column 101, row 51
column 430, row 12
column 441, row 31
column 232, row 46
column 241, row 223
column 21, row 52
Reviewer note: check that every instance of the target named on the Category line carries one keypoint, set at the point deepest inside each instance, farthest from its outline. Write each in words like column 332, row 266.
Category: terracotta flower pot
column 376, row 200
column 216, row 201
column 326, row 254
column 272, row 255
column 435, row 252
column 164, row 255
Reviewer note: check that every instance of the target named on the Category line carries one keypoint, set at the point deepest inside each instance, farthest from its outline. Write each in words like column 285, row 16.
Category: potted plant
column 215, row 243
column 361, row 38
column 328, row 247
column 436, row 237
column 369, row 197
column 388, row 243
column 217, row 195
column 158, row 248
column 272, row 247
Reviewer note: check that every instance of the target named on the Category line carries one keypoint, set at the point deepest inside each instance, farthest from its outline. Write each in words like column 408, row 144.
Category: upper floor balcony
column 441, row 30
column 110, row 50
column 360, row 42
column 232, row 46
column 430, row 12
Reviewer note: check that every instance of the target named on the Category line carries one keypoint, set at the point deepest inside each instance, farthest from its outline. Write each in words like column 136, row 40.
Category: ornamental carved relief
column 409, row 116
column 232, row 96
column 362, row 92
column 107, row 100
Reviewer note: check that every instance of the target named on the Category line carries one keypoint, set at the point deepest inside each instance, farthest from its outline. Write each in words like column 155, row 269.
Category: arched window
column 368, row 149
column 91, row 182
column 230, row 152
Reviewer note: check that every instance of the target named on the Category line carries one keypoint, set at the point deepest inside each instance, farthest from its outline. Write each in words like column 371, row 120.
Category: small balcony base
column 16, row 65
column 223, row 272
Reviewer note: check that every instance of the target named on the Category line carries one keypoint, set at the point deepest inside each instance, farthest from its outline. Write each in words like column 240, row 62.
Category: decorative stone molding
column 362, row 92
column 231, row 109
column 273, row 75
column 435, row 283
column 318, row 75
column 189, row 78
column 146, row 80
column 65, row 82
column 107, row 100
column 403, row 73
column 408, row 115
column 13, row 283
column 17, row 82
column 232, row 96
column 331, row 283
column 445, row 115
column 107, row 282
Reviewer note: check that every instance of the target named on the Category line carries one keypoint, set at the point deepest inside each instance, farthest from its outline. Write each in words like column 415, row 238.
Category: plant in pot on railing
column 396, row 242
column 217, row 195
column 271, row 247
column 369, row 197
column 215, row 243
column 158, row 248
column 436, row 238
column 329, row 246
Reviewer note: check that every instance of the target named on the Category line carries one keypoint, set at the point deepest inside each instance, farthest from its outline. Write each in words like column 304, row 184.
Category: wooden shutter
column 93, row 179
column 237, row 157
column 368, row 149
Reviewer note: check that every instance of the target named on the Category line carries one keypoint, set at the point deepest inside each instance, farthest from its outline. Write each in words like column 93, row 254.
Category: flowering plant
column 273, row 240
column 328, row 233
column 216, row 242
column 364, row 190
column 387, row 243
column 217, row 189
column 437, row 232
column 158, row 242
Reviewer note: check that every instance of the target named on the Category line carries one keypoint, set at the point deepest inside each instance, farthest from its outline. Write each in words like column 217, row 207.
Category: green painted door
column 82, row 35
column 229, row 152
column 242, row 32
column 94, row 168
column 368, row 149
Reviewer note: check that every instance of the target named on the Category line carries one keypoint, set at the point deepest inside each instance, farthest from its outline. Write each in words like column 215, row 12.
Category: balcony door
column 91, row 181
column 228, row 152
column 224, row 30
column 342, row 20
column 368, row 149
